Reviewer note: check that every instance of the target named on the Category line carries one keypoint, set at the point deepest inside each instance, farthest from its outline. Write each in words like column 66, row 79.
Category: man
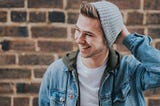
column 97, row 75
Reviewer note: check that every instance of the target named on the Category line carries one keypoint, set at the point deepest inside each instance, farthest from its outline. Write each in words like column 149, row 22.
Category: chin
column 85, row 55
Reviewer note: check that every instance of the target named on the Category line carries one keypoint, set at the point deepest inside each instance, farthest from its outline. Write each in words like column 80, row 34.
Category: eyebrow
column 76, row 27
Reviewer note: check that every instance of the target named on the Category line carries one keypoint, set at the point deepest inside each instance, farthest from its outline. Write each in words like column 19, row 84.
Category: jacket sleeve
column 148, row 71
column 43, row 99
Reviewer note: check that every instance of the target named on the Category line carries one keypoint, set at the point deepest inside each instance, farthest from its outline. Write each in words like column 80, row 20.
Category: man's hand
column 122, row 35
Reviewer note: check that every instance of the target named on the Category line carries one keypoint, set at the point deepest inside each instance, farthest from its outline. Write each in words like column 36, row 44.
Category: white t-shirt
column 89, row 82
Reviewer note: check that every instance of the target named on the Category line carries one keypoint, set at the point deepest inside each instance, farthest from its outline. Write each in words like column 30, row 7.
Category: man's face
column 89, row 37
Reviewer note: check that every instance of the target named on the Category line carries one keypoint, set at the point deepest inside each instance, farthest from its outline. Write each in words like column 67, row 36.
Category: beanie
column 110, row 18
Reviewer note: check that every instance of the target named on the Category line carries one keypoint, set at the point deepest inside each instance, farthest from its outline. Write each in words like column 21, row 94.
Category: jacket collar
column 70, row 59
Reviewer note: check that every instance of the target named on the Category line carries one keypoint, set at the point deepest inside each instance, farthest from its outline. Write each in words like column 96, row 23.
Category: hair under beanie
column 111, row 20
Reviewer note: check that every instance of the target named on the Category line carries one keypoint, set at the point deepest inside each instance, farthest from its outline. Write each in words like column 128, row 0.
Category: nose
column 80, row 39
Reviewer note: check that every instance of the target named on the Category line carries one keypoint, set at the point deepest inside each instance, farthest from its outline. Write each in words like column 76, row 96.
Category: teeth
column 85, row 47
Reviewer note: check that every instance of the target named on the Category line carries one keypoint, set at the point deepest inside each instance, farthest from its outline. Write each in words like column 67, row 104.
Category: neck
column 97, row 60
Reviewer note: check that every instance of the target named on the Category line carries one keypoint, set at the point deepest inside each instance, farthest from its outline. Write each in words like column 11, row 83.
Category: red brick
column 72, row 18
column 32, row 88
column 55, row 46
column 151, row 4
column 73, row 4
column 49, row 32
column 127, row 4
column 56, row 16
column 154, row 32
column 22, row 45
column 35, row 59
column 72, row 33
column 7, row 59
column 135, row 18
column 35, row 102
column 38, row 73
column 2, row 31
column 136, row 30
column 5, row 45
column 7, row 73
column 158, row 45
column 122, row 4
column 6, row 88
column 18, row 16
column 13, row 31
column 21, row 101
column 5, row 101
column 45, row 4
column 37, row 17
column 152, row 92
column 11, row 3
column 3, row 16
column 153, row 18
column 154, row 102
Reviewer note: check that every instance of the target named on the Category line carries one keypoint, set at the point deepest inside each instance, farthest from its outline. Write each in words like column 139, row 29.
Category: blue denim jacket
column 122, row 84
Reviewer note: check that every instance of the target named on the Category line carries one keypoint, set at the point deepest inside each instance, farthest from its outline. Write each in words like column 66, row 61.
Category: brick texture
column 13, row 31
column 151, row 92
column 154, row 32
column 7, row 73
column 137, row 30
column 21, row 101
column 34, row 59
column 49, row 32
column 5, row 101
column 38, row 73
column 45, row 4
column 151, row 5
column 56, row 16
column 6, row 88
column 24, row 88
column 127, row 4
column 135, row 18
column 18, row 16
column 153, row 18
column 35, row 102
column 37, row 17
column 3, row 16
column 7, row 59
column 154, row 102
column 72, row 18
column 34, row 33
column 158, row 45
column 22, row 45
column 11, row 3
column 57, row 47
column 73, row 4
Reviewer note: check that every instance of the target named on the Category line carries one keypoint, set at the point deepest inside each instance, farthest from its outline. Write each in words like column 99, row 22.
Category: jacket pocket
column 122, row 93
column 106, row 100
column 57, row 98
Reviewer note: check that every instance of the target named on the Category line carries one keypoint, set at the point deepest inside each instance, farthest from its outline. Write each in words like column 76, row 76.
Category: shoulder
column 57, row 65
column 56, row 68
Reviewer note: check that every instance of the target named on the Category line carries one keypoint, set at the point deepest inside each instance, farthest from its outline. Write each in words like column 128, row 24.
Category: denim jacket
column 123, row 81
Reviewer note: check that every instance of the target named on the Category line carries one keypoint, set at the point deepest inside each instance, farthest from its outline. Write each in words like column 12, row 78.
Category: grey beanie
column 111, row 20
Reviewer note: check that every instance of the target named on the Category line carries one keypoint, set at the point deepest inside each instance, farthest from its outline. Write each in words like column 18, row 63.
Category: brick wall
column 34, row 33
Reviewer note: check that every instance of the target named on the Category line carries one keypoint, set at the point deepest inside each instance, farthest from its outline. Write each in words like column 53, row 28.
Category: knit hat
column 111, row 20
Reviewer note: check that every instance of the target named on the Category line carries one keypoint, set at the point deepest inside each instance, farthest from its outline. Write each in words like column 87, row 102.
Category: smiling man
column 97, row 75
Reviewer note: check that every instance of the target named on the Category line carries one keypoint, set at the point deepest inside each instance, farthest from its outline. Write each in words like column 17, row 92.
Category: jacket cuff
column 131, row 40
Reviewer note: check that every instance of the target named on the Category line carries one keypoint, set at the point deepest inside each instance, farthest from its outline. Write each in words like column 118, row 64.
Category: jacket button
column 61, row 99
column 71, row 96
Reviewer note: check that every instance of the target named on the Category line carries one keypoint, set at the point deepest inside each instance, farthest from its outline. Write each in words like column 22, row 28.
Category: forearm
column 140, row 47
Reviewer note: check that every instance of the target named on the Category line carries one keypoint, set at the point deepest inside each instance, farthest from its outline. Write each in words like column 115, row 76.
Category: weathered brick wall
column 34, row 33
